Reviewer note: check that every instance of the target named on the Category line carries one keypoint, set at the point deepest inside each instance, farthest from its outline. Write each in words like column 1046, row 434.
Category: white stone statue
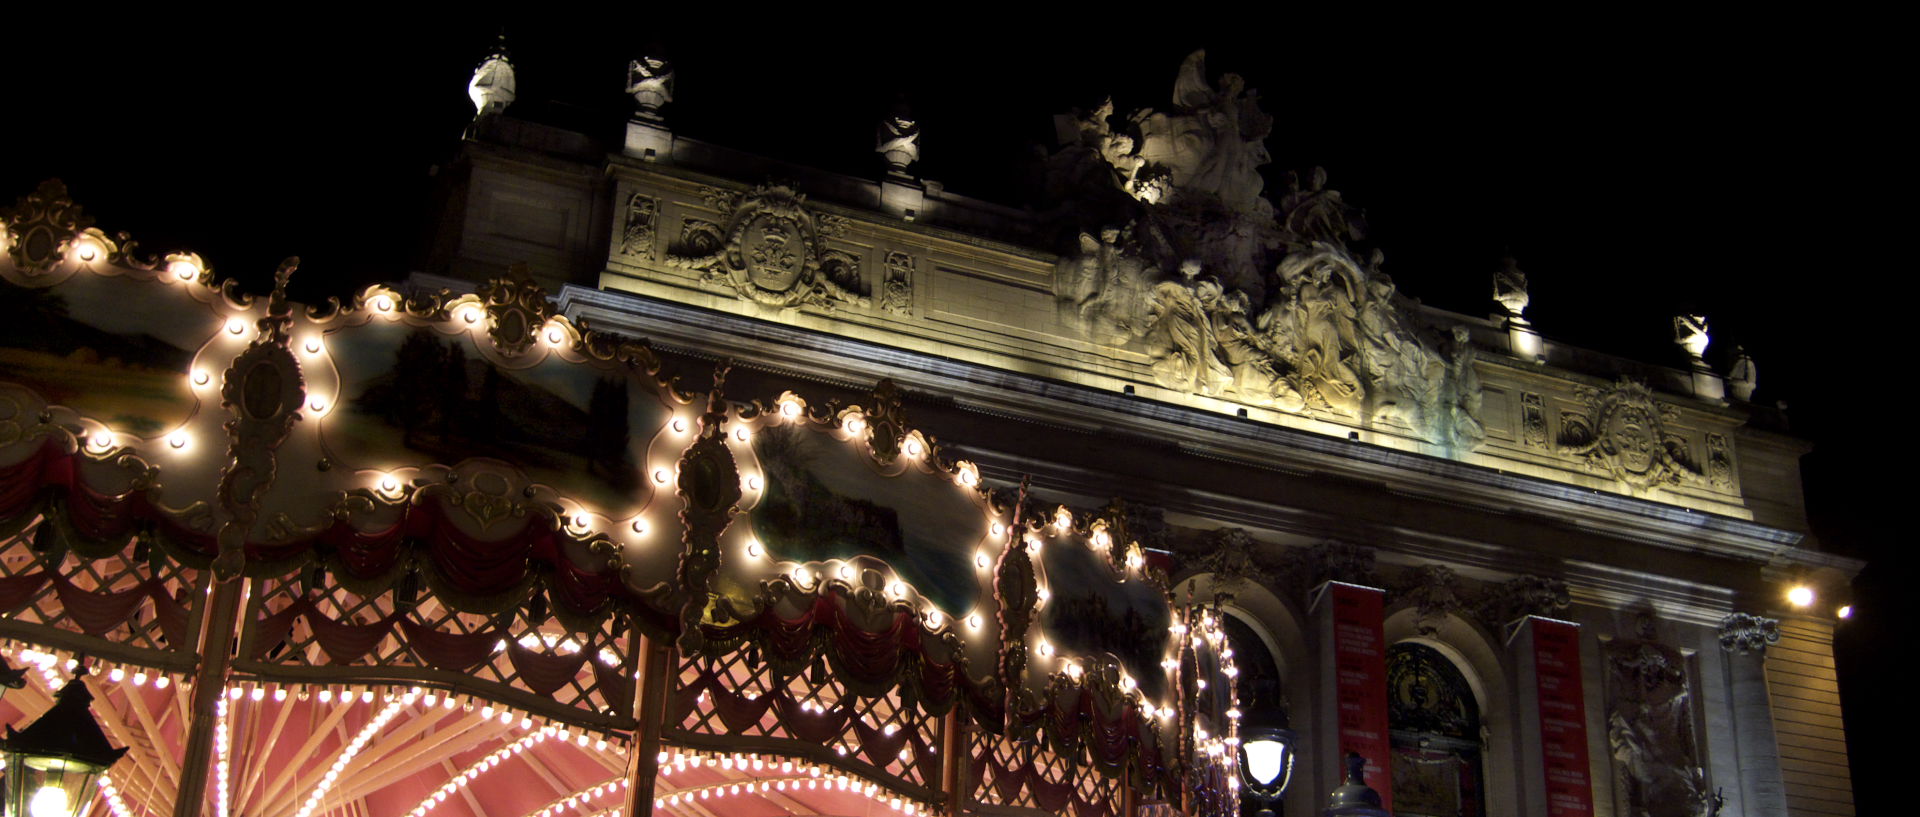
column 650, row 83
column 1690, row 332
column 897, row 139
column 1211, row 145
column 491, row 88
column 1744, row 376
column 1510, row 288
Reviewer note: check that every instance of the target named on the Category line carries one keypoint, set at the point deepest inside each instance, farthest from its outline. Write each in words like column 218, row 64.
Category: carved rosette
column 709, row 485
column 1623, row 431
column 772, row 253
column 42, row 226
column 1745, row 633
column 263, row 390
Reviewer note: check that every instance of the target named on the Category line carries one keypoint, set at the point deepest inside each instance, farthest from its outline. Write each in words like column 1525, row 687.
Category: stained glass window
column 1436, row 735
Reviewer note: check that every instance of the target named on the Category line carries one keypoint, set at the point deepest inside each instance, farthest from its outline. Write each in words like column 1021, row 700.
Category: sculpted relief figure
column 1225, row 295
column 1650, row 731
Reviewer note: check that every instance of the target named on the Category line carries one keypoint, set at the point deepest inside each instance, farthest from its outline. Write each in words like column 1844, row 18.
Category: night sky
column 1635, row 167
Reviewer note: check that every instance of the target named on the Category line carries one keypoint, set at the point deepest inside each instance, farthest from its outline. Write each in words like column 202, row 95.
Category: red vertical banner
column 1360, row 680
column 1563, row 718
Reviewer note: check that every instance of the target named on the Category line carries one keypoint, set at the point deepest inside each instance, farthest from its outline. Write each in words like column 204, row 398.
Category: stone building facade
column 1559, row 580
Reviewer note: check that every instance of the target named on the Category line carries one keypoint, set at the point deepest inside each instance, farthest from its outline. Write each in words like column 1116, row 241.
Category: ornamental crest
column 1623, row 431
column 772, row 253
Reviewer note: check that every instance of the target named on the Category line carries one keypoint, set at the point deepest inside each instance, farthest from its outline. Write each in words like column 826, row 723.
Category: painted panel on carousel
column 1090, row 606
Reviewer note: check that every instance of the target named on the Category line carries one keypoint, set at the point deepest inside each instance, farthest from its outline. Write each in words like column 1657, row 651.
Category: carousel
column 456, row 555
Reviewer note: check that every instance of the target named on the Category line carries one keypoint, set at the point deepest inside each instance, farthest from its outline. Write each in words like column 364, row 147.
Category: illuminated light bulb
column 177, row 439
column 326, row 695
column 854, row 424
column 662, row 475
column 1063, row 520
column 384, row 303
column 1800, row 596
column 313, row 345
column 741, row 434
column 753, row 482
column 980, row 560
column 1845, row 611
column 639, row 526
column 317, row 403
column 679, row 425
column 913, row 447
column 100, row 441
column 1102, row 539
column 897, row 589
column 1126, row 683
column 389, row 485
column 139, row 679
column 258, row 694
column 279, row 694
column 49, row 801
column 184, row 270
column 236, row 326
column 116, row 675
column 933, row 618
column 470, row 315
column 554, row 335
column 996, row 529
column 162, row 682
column 846, row 571
column 87, row 249
column 1043, row 594
column 753, row 548
column 968, row 476
column 802, row 575
column 201, row 377
column 974, row 621
column 235, row 692
column 366, row 696
column 1046, row 650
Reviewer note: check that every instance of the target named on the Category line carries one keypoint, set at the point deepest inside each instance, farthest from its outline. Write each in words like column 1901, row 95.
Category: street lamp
column 51, row 763
column 1266, row 764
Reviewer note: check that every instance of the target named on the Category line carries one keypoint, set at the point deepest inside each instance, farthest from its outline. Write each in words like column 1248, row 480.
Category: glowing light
column 980, row 560
column 1845, row 611
column 898, row 589
column 236, row 326
column 177, row 439
column 184, row 270
column 313, row 345
column 100, row 441
column 753, row 482
column 934, row 618
column 969, row 475
column 753, row 548
column 1135, row 560
column 1102, row 539
column 854, row 424
column 974, row 621
column 389, row 486
column 790, row 409
column 997, row 529
column 49, row 801
column 554, row 336
column 741, row 434
column 1063, row 519
column 846, row 572
column 640, row 526
column 1043, row 594
column 662, row 475
column 679, row 425
column 913, row 447
column 802, row 576
column 383, row 303
column 201, row 377
column 1800, row 596
column 86, row 249
column 470, row 315
column 317, row 403
column 1046, row 649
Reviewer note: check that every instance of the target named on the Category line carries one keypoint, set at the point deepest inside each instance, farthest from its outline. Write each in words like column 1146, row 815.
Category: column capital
column 1746, row 633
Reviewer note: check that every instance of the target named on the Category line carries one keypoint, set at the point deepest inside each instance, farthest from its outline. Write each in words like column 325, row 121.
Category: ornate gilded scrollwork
column 709, row 484
column 1624, row 432
column 263, row 389
column 43, row 225
column 773, row 253
column 1017, row 589
column 516, row 309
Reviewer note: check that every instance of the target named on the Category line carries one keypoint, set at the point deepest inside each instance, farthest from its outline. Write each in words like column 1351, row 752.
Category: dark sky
column 1637, row 166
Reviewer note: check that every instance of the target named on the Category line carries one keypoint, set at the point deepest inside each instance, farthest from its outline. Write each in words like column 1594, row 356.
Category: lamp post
column 51, row 763
column 1266, row 764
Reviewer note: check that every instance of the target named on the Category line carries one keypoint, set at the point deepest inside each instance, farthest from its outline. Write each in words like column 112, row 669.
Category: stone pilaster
column 1745, row 637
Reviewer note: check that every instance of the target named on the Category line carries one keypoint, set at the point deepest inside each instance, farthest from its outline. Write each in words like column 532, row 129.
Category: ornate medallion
column 772, row 253
column 1624, row 432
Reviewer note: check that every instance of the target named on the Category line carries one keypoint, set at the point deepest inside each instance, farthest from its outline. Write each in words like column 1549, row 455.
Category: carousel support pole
column 658, row 666
column 1129, row 799
column 227, row 597
column 954, row 765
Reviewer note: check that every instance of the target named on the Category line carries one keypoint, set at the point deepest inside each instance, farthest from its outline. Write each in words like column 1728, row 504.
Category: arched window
column 1263, row 701
column 1435, row 726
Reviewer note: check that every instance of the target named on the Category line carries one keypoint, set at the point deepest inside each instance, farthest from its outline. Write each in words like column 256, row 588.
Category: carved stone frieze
column 1533, row 420
column 771, row 253
column 1527, row 595
column 636, row 239
column 1719, row 462
column 896, row 292
column 1435, row 591
column 1746, row 633
column 1230, row 555
column 1313, row 566
column 1623, row 431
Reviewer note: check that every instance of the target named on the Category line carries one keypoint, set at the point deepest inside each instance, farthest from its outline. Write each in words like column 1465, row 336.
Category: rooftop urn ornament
column 650, row 83
column 1510, row 291
column 492, row 86
column 1690, row 333
column 1744, row 377
column 897, row 139
column 1354, row 798
column 52, row 763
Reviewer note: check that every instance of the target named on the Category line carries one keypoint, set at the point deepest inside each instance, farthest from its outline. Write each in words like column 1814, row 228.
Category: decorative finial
column 1744, row 377
column 492, row 86
column 1690, row 332
column 897, row 139
column 1510, row 287
column 650, row 83
column 1354, row 798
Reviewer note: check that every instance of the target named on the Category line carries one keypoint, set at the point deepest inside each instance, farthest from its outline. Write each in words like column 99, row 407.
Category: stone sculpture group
column 1229, row 297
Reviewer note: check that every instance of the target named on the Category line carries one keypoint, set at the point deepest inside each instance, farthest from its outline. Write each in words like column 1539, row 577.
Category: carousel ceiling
column 460, row 534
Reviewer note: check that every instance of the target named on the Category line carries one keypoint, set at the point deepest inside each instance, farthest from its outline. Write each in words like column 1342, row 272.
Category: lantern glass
column 48, row 785
column 1266, row 761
